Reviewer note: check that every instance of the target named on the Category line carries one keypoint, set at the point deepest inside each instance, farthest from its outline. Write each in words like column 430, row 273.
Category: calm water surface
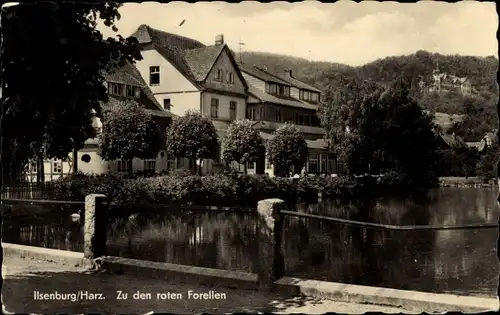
column 455, row 261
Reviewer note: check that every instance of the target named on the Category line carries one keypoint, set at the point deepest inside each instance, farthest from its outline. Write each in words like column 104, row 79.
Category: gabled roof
column 262, row 74
column 286, row 101
column 190, row 57
column 146, row 35
column 201, row 60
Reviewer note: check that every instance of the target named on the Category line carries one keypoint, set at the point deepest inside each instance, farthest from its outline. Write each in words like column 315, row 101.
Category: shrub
column 231, row 189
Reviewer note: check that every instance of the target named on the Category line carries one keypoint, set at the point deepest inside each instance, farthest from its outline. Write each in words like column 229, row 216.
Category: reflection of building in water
column 197, row 236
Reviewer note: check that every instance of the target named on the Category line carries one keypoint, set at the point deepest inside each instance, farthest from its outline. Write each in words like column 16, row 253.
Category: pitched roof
column 128, row 74
column 190, row 57
column 453, row 141
column 293, row 81
column 115, row 102
column 319, row 144
column 146, row 35
column 299, row 84
column 262, row 74
column 201, row 60
column 286, row 101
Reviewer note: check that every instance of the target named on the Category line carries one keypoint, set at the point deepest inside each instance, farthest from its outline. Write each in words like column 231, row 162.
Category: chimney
column 289, row 73
column 219, row 39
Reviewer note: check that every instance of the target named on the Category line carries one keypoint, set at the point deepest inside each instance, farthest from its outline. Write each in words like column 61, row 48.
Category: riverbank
column 466, row 182
column 23, row 276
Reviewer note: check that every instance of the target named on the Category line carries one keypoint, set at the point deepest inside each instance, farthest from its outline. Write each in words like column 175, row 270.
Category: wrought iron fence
column 30, row 191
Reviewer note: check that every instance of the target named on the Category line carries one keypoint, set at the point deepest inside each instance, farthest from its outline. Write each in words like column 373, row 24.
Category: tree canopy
column 376, row 129
column 53, row 58
column 193, row 136
column 242, row 143
column 128, row 132
column 287, row 149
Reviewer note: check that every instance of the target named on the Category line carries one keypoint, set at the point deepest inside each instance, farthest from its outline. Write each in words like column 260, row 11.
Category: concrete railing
column 269, row 269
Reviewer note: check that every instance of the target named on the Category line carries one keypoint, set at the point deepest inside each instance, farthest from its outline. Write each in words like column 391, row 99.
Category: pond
column 462, row 261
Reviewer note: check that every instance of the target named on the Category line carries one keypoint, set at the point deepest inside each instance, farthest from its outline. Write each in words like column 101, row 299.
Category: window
column 130, row 91
column 251, row 113
column 250, row 165
column 115, row 89
column 214, row 108
column 57, row 167
column 281, row 90
column 313, row 163
column 322, row 162
column 287, row 91
column 273, row 88
column 154, row 75
column 149, row 165
column 166, row 104
column 230, row 77
column 298, row 119
column 219, row 74
column 123, row 166
column 232, row 110
column 86, row 158
column 278, row 116
column 315, row 97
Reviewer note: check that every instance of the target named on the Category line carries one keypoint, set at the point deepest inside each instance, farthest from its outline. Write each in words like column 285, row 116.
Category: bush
column 230, row 189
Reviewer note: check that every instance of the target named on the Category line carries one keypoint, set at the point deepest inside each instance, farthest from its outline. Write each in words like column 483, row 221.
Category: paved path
column 23, row 276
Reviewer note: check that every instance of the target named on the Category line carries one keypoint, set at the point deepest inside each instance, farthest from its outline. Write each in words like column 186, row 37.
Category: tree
column 487, row 164
column 287, row 149
column 52, row 62
column 383, row 129
column 128, row 132
column 194, row 137
column 242, row 143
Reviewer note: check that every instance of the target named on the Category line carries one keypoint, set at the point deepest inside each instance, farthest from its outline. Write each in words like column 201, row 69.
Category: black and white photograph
column 215, row 157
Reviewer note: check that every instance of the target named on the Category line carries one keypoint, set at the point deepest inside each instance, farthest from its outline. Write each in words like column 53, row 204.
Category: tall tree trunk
column 199, row 167
column 245, row 168
column 75, row 161
column 41, row 174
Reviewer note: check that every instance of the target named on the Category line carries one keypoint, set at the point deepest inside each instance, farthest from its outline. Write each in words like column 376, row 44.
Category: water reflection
column 457, row 261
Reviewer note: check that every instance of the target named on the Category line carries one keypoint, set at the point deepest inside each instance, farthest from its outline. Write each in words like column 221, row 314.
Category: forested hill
column 480, row 70
column 478, row 110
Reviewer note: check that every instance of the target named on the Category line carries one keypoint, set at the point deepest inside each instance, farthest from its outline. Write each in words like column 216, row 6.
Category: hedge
column 220, row 190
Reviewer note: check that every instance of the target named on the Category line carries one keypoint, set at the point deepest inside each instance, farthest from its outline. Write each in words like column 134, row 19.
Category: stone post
column 95, row 226
column 271, row 260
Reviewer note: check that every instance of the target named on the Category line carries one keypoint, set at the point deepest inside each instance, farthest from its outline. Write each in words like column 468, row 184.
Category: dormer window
column 130, row 91
column 219, row 74
column 277, row 89
column 115, row 89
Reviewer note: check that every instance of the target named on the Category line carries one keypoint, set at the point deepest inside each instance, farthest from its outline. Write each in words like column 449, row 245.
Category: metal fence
column 28, row 191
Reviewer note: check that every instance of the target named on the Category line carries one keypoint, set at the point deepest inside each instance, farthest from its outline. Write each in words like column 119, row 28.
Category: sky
column 344, row 32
